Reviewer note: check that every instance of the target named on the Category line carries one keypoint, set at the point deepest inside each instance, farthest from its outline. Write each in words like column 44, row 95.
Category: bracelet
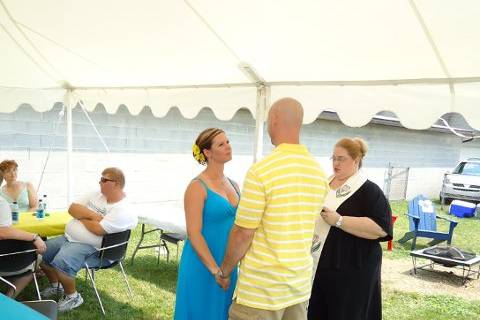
column 339, row 222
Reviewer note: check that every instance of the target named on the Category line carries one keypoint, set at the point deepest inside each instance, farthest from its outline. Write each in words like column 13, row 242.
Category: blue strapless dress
column 198, row 295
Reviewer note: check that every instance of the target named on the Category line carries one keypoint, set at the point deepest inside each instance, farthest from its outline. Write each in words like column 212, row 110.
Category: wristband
column 339, row 222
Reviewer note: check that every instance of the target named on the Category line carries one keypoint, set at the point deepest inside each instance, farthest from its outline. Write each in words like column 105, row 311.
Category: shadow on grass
column 474, row 218
column 114, row 309
column 422, row 243
column 439, row 274
column 90, row 309
column 145, row 268
column 402, row 250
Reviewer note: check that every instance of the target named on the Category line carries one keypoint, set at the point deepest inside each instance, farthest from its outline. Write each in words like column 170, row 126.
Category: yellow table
column 51, row 225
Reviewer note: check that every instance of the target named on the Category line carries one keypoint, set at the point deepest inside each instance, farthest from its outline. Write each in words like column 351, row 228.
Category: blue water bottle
column 40, row 210
column 14, row 212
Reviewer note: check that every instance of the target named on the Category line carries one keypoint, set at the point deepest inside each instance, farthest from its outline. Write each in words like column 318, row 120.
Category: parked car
column 463, row 183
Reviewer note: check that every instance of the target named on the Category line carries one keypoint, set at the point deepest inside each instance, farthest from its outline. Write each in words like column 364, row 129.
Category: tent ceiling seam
column 205, row 22
column 52, row 77
column 215, row 33
column 394, row 82
column 28, row 55
column 426, row 81
column 59, row 45
column 434, row 47
column 30, row 88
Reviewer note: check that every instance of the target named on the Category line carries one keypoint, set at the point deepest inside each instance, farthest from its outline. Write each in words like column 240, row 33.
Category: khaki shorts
column 240, row 312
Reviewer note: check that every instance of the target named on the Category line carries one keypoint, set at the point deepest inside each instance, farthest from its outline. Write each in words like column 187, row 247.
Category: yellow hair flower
column 198, row 155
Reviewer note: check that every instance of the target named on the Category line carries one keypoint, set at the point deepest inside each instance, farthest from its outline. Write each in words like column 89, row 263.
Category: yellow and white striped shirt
column 282, row 195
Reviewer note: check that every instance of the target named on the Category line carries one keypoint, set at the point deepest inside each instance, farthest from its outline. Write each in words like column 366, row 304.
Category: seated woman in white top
column 22, row 192
column 20, row 278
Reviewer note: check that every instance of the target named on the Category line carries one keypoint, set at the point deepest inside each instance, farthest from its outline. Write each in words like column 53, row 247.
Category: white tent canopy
column 418, row 59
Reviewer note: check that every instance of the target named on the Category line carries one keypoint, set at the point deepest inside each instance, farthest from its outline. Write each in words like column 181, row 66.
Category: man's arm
column 239, row 241
column 249, row 214
column 81, row 212
column 93, row 226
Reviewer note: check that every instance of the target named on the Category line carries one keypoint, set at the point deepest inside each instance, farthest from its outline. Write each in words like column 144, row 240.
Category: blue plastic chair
column 423, row 223
column 12, row 309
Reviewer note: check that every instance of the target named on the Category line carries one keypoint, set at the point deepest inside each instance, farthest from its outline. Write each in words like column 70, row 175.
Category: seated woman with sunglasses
column 104, row 212
column 356, row 217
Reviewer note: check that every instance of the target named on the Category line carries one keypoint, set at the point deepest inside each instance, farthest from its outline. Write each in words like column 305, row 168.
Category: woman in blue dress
column 210, row 204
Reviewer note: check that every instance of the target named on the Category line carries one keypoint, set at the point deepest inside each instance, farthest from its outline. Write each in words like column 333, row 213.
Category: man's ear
column 274, row 119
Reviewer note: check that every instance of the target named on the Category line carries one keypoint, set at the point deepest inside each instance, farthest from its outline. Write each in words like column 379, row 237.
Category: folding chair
column 46, row 307
column 164, row 237
column 112, row 252
column 16, row 255
column 173, row 238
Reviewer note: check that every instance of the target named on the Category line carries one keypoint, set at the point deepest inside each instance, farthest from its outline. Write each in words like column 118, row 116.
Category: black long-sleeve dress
column 347, row 283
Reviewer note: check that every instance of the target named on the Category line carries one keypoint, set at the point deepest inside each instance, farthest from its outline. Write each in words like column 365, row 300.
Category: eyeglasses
column 103, row 180
column 340, row 159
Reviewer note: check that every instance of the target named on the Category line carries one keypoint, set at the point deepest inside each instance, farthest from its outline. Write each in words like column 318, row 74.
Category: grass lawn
column 154, row 286
column 399, row 305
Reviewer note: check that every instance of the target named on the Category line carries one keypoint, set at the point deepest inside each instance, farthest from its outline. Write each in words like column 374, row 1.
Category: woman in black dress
column 356, row 217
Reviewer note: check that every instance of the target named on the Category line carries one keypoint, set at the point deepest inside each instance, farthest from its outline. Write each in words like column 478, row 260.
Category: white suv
column 463, row 183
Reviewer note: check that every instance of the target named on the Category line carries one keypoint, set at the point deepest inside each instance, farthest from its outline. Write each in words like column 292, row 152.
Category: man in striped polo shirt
column 272, row 235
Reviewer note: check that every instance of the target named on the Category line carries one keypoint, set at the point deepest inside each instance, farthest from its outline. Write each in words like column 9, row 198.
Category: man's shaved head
column 285, row 120
column 289, row 110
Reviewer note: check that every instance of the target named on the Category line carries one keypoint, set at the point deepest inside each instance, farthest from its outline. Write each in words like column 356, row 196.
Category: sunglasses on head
column 103, row 180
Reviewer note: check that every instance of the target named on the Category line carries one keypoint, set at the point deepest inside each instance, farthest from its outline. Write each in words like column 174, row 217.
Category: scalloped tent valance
column 417, row 106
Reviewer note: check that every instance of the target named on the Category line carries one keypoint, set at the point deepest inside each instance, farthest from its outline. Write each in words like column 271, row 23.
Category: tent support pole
column 69, row 131
column 261, row 108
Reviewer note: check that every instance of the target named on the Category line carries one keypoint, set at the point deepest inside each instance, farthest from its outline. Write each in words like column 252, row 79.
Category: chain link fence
column 396, row 182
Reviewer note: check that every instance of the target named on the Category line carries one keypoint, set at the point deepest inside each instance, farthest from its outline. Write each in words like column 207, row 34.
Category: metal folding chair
column 164, row 237
column 112, row 253
column 16, row 255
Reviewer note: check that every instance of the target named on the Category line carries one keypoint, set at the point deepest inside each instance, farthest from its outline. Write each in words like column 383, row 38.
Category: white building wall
column 155, row 153
column 470, row 149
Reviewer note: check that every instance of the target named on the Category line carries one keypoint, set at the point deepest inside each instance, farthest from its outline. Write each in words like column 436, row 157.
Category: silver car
column 463, row 183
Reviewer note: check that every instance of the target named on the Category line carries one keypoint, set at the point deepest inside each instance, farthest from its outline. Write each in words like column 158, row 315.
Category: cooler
column 462, row 209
